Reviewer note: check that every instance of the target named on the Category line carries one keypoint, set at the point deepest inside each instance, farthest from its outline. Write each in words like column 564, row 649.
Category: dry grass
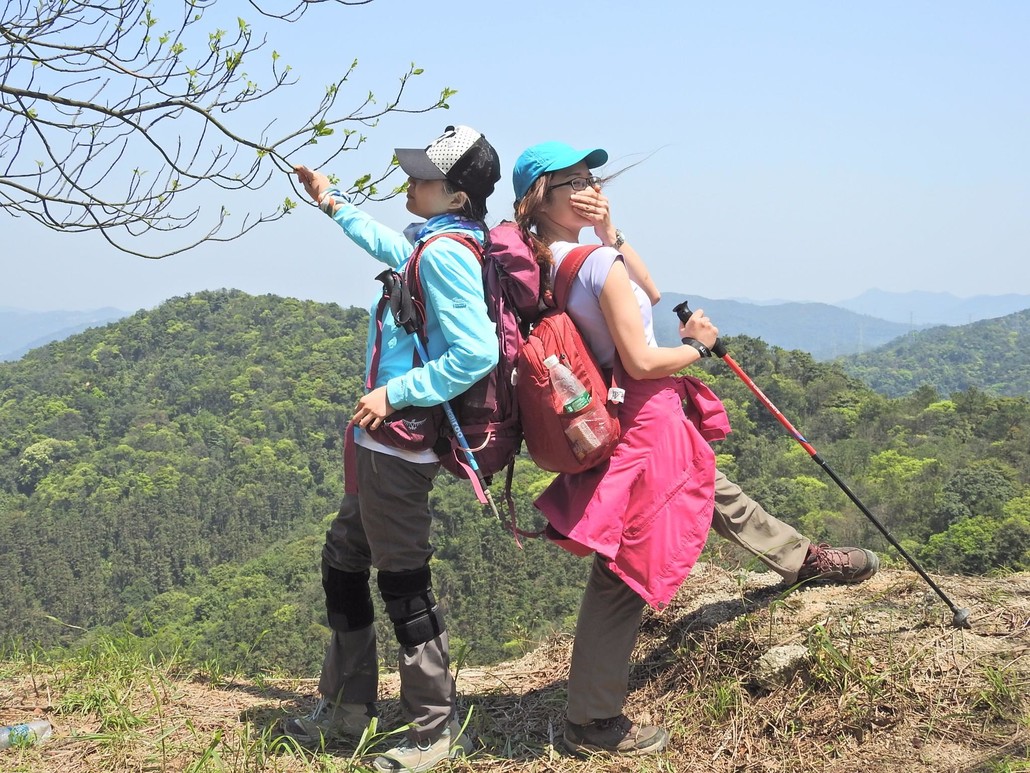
column 887, row 685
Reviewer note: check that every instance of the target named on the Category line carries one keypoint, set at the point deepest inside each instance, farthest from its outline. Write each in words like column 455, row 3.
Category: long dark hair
column 527, row 215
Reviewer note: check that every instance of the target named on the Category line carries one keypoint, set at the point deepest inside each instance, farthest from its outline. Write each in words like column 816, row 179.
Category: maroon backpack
column 488, row 411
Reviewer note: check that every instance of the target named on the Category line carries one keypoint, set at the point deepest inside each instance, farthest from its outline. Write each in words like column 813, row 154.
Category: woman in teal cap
column 646, row 511
column 557, row 197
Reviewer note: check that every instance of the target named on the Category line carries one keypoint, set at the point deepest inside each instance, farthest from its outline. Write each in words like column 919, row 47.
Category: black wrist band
column 703, row 350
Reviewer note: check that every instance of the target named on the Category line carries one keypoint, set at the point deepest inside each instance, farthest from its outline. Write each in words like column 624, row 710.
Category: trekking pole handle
column 683, row 312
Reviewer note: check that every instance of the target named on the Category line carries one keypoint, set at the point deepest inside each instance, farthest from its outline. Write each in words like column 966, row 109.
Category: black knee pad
column 411, row 606
column 348, row 600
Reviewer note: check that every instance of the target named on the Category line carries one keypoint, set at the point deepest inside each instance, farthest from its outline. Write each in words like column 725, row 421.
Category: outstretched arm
column 382, row 243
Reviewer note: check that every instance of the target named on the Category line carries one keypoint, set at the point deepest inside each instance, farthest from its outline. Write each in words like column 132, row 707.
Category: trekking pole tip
column 961, row 619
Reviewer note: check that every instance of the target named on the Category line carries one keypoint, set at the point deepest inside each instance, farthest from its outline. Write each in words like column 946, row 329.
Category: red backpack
column 543, row 420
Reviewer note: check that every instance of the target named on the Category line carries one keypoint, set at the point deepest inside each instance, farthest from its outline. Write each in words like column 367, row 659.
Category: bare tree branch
column 113, row 119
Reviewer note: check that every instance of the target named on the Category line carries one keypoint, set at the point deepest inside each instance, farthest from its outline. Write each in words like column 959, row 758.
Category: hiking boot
column 846, row 565
column 618, row 735
column 415, row 756
column 328, row 722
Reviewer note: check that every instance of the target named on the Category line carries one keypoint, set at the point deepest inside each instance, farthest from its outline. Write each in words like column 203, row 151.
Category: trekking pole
column 961, row 615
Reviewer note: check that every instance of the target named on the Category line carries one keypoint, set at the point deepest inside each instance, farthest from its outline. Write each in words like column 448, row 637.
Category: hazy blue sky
column 794, row 150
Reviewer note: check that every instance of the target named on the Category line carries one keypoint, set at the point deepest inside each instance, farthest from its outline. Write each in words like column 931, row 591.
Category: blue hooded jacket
column 462, row 342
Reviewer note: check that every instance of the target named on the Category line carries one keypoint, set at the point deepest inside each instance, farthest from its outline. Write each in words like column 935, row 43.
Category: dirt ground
column 880, row 680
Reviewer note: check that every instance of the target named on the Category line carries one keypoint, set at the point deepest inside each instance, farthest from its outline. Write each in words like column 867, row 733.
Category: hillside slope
column 884, row 684
column 992, row 355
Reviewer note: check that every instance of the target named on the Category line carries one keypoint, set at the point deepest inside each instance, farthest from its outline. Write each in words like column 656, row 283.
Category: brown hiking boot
column 618, row 735
column 845, row 565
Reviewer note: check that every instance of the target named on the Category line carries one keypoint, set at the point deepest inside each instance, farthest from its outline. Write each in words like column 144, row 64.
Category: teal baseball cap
column 550, row 157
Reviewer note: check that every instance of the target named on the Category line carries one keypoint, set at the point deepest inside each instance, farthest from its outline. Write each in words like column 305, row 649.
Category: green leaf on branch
column 322, row 129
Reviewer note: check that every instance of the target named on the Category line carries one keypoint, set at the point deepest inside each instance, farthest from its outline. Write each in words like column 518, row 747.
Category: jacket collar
column 418, row 231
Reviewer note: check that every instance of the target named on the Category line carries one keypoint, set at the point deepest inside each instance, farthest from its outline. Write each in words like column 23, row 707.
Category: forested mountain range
column 855, row 326
column 171, row 474
column 993, row 354
column 198, row 445
column 826, row 331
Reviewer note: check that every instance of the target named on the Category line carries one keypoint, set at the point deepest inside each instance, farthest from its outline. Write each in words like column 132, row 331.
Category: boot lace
column 828, row 559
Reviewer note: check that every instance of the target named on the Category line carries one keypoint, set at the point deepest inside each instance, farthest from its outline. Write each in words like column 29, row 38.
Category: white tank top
column 584, row 305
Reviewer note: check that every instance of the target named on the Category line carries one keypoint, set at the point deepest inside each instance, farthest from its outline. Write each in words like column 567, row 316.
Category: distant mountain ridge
column 21, row 330
column 820, row 329
column 921, row 309
column 826, row 331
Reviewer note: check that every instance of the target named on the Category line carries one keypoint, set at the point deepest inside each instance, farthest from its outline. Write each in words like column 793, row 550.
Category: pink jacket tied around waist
column 649, row 507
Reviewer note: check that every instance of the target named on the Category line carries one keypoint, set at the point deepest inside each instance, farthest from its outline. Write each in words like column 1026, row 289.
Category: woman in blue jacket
column 385, row 523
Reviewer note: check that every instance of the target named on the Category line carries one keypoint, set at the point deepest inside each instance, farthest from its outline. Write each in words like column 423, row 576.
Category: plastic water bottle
column 36, row 731
column 587, row 431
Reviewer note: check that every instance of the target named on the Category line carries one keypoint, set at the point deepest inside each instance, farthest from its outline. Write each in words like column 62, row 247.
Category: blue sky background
column 794, row 150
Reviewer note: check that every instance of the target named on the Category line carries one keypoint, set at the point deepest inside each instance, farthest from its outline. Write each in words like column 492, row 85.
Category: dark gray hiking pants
column 386, row 526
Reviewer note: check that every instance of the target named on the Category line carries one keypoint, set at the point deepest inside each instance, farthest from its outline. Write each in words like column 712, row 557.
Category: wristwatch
column 620, row 239
column 703, row 350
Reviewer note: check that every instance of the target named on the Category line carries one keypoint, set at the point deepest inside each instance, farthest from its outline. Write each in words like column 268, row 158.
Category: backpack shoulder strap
column 413, row 279
column 567, row 271
column 473, row 245
column 563, row 285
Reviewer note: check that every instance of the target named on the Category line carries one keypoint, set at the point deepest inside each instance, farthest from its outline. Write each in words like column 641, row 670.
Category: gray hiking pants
column 386, row 526
column 610, row 613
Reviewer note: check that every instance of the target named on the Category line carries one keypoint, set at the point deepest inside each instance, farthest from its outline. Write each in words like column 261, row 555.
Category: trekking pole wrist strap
column 703, row 350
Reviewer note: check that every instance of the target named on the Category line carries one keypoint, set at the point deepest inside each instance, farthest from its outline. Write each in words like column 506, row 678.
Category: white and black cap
column 461, row 155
